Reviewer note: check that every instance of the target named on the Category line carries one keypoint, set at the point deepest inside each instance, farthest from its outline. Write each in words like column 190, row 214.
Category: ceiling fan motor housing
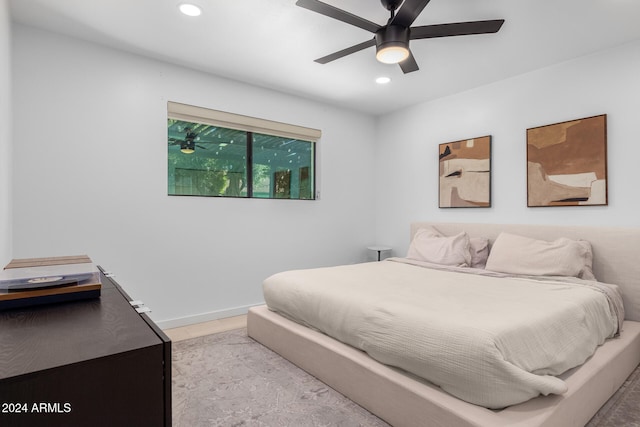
column 392, row 35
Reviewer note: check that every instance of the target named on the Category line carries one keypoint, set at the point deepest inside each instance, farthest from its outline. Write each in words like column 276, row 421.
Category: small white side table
column 379, row 249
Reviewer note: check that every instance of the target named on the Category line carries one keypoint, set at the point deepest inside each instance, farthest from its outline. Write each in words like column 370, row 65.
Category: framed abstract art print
column 465, row 173
column 567, row 163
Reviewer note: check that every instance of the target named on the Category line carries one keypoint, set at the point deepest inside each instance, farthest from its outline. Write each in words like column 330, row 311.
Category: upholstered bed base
column 402, row 400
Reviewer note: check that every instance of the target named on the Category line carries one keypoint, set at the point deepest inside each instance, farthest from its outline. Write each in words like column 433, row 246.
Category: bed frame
column 404, row 400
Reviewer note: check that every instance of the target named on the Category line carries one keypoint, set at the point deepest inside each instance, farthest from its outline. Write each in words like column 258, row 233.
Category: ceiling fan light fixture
column 392, row 44
column 392, row 54
column 188, row 147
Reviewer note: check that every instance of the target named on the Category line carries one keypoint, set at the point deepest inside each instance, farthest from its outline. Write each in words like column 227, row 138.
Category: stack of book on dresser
column 34, row 281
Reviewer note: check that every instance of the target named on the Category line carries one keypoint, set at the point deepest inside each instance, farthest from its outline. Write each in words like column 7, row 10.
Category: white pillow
column 587, row 272
column 427, row 245
column 479, row 248
column 515, row 254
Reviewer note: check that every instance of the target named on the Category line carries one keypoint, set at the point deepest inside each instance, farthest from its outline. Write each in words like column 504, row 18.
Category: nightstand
column 379, row 249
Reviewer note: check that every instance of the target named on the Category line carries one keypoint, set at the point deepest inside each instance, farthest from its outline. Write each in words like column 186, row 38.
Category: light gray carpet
column 623, row 409
column 228, row 379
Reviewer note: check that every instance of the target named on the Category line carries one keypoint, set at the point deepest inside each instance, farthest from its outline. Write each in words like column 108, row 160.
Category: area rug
column 228, row 379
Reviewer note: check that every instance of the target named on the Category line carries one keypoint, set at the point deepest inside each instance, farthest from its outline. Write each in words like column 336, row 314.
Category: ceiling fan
column 392, row 40
column 188, row 145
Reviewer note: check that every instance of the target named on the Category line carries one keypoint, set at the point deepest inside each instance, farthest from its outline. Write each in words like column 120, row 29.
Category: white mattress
column 492, row 342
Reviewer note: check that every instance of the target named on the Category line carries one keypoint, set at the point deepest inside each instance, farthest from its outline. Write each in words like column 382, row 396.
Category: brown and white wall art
column 465, row 173
column 567, row 163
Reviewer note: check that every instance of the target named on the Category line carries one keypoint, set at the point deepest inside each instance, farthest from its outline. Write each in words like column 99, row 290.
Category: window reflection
column 206, row 160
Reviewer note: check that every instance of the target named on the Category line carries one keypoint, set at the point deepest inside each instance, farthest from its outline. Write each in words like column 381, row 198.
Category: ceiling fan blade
column 408, row 12
column 348, row 51
column 456, row 29
column 339, row 14
column 409, row 65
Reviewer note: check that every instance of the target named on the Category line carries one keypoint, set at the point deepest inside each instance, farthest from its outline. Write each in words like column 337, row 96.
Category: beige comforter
column 491, row 341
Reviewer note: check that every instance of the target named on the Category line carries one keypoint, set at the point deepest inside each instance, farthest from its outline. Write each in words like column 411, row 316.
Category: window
column 212, row 153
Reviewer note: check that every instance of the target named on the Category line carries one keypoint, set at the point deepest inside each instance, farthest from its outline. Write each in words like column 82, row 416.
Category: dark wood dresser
column 96, row 362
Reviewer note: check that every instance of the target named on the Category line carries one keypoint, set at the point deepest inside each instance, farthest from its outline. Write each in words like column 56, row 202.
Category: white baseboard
column 204, row 317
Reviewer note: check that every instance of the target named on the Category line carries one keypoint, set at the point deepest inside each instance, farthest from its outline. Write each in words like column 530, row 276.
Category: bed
column 403, row 399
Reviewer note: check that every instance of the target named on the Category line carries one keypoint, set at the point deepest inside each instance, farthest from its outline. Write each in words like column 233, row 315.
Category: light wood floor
column 206, row 328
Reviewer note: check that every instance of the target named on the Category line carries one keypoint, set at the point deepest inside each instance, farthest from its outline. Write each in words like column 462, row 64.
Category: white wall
column 5, row 135
column 407, row 145
column 90, row 165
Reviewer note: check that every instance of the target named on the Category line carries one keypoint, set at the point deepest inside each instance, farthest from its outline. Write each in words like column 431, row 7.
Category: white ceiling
column 273, row 43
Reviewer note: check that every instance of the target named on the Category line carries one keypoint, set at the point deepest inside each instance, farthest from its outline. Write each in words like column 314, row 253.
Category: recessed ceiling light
column 383, row 80
column 190, row 9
